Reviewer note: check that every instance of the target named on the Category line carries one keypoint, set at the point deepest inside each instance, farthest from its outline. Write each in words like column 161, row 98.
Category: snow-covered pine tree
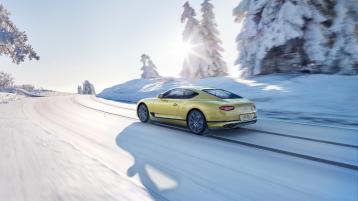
column 291, row 36
column 270, row 38
column 12, row 41
column 344, row 51
column 79, row 89
column 195, row 65
column 149, row 68
column 212, row 42
column 88, row 88
column 6, row 80
column 246, row 40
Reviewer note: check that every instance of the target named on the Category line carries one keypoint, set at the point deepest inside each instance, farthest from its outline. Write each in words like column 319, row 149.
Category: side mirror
column 160, row 96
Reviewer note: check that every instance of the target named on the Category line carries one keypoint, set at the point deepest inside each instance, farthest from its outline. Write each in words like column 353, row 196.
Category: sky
column 102, row 40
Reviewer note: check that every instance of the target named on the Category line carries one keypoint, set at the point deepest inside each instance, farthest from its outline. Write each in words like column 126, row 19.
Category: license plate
column 246, row 117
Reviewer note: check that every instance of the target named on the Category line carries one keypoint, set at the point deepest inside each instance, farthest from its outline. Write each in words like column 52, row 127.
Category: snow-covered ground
column 7, row 97
column 40, row 164
column 18, row 94
column 54, row 148
column 324, row 99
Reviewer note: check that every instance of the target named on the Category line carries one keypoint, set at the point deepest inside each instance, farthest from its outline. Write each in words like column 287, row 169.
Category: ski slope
column 84, row 148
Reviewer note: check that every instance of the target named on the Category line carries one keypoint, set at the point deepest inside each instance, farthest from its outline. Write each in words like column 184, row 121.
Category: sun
column 186, row 48
column 175, row 53
column 182, row 49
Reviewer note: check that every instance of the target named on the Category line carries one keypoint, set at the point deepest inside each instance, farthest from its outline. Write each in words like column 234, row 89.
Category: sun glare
column 182, row 49
column 186, row 48
column 176, row 52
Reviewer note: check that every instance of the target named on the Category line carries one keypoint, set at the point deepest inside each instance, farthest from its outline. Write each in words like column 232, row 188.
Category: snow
column 149, row 68
column 55, row 149
column 204, row 55
column 39, row 165
column 217, row 66
column 324, row 99
column 7, row 97
column 87, row 88
column 195, row 65
column 14, row 94
column 295, row 36
column 345, row 49
column 14, row 42
column 287, row 135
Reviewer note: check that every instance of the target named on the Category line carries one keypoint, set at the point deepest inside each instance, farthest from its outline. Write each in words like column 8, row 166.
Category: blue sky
column 102, row 40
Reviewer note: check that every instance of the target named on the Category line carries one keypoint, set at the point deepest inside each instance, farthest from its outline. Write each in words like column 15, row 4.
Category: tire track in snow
column 261, row 147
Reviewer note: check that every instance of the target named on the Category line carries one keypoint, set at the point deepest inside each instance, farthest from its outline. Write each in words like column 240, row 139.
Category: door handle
column 174, row 104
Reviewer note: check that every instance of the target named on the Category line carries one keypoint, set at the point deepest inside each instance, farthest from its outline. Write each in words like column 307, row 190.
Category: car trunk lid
column 241, row 105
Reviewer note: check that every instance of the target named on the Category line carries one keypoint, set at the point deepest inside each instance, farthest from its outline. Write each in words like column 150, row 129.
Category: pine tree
column 79, row 89
column 217, row 66
column 13, row 42
column 195, row 64
column 247, row 38
column 6, row 80
column 293, row 36
column 88, row 88
column 149, row 68
column 344, row 51
column 269, row 25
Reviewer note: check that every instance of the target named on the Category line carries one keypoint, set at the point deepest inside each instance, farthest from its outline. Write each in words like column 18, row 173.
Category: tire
column 143, row 113
column 196, row 122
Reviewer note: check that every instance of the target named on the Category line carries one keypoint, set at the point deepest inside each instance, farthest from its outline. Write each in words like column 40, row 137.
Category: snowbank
column 12, row 94
column 328, row 99
column 7, row 97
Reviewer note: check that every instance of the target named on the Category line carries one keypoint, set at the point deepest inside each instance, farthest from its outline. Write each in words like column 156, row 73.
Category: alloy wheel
column 143, row 113
column 196, row 122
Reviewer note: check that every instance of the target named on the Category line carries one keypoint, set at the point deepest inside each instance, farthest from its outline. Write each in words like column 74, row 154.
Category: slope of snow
column 328, row 99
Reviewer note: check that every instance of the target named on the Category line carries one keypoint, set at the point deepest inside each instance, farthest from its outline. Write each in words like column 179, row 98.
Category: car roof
column 193, row 87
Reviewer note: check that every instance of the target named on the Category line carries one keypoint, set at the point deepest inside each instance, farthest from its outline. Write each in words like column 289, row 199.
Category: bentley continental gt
column 200, row 109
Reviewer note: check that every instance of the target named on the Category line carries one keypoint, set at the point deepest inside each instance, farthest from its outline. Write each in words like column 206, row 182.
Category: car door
column 168, row 105
column 183, row 102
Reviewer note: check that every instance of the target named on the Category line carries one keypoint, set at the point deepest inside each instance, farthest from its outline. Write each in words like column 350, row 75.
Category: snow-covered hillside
column 328, row 99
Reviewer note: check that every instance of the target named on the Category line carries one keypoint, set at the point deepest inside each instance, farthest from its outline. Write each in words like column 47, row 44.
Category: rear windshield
column 220, row 93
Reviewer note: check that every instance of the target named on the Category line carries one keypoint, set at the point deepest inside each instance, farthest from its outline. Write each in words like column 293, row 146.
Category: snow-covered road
column 78, row 148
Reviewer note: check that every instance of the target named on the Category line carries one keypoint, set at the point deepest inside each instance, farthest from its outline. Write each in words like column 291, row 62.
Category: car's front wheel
column 196, row 122
column 143, row 113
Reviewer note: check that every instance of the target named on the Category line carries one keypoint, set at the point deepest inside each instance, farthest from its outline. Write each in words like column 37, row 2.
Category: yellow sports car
column 198, row 108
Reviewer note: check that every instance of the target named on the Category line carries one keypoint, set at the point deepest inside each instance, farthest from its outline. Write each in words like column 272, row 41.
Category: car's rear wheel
column 143, row 113
column 196, row 122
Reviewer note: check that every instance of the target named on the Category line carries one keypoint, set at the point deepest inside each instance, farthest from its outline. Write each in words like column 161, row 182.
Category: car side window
column 174, row 94
column 189, row 94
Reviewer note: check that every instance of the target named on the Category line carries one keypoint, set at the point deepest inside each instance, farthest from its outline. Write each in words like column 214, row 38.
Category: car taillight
column 227, row 107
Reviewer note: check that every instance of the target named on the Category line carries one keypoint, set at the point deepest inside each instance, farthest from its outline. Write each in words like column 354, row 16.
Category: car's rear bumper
column 230, row 124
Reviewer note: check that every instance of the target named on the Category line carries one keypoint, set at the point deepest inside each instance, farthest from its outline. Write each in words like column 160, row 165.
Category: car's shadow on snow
column 149, row 160
column 156, row 161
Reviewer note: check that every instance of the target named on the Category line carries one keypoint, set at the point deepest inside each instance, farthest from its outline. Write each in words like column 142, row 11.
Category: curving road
column 82, row 148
